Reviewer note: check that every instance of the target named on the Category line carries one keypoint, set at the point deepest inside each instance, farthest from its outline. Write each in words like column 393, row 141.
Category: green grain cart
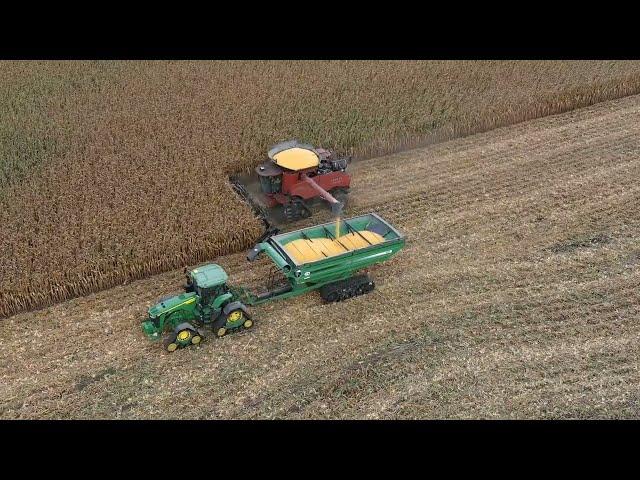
column 324, row 257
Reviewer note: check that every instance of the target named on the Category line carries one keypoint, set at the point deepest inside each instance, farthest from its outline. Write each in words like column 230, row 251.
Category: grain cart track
column 516, row 296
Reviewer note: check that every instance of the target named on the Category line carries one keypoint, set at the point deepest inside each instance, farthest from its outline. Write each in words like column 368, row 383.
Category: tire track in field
column 480, row 157
column 519, row 173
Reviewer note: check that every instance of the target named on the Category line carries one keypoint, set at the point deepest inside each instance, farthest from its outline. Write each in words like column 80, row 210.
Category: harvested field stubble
column 517, row 296
column 112, row 171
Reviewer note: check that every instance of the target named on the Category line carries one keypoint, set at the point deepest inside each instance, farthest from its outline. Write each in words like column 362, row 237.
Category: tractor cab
column 208, row 282
column 207, row 301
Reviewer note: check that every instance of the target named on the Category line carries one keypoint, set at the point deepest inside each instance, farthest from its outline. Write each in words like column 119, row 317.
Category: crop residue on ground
column 478, row 317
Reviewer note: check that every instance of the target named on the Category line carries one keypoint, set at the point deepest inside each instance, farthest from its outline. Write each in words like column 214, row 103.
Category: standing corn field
column 111, row 171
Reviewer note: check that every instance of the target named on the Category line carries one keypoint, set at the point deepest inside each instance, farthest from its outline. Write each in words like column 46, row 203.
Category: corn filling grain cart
column 324, row 257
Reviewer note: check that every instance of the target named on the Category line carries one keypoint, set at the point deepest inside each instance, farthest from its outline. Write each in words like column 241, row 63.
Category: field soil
column 517, row 296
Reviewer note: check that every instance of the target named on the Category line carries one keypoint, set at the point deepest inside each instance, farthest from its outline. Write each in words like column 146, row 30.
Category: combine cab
column 296, row 175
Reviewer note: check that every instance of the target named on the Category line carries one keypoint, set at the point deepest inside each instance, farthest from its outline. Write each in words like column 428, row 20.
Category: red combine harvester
column 297, row 174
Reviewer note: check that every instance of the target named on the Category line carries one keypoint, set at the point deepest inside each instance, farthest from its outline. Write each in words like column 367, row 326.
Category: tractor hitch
column 254, row 252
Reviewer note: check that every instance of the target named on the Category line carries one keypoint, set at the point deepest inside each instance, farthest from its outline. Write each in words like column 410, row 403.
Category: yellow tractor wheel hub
column 248, row 324
column 172, row 347
column 196, row 339
column 184, row 335
column 235, row 316
column 221, row 332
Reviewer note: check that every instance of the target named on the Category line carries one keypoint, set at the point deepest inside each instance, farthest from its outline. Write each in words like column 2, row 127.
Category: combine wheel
column 304, row 212
column 296, row 209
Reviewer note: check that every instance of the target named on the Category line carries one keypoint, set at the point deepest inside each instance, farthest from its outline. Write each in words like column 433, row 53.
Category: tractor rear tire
column 235, row 315
column 185, row 335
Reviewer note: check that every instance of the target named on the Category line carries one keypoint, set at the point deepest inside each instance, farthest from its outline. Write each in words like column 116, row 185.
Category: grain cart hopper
column 324, row 257
column 297, row 175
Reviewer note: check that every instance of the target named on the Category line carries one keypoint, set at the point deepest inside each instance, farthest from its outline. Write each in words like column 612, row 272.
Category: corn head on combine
column 324, row 257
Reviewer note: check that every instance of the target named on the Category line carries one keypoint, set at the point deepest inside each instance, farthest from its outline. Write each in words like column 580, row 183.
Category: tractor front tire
column 171, row 343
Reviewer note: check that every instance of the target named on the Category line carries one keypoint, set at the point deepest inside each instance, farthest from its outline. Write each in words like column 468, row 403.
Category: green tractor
column 324, row 257
column 207, row 302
